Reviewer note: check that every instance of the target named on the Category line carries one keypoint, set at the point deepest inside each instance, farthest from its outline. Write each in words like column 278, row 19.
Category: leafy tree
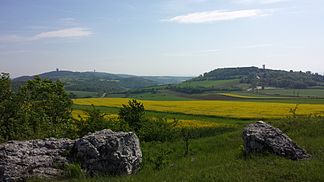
column 5, row 91
column 40, row 108
column 8, row 110
column 46, row 105
column 133, row 114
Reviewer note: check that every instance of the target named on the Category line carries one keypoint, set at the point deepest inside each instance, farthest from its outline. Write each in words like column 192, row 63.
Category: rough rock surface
column 107, row 152
column 260, row 137
column 101, row 152
column 22, row 159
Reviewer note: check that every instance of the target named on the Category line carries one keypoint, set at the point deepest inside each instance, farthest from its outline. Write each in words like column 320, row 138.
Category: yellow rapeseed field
column 233, row 109
column 76, row 114
column 181, row 123
column 199, row 124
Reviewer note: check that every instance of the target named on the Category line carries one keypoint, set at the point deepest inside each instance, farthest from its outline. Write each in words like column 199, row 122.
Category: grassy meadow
column 219, row 158
column 316, row 93
column 215, row 152
column 216, row 84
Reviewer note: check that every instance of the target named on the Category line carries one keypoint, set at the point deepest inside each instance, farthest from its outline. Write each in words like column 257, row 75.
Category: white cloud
column 64, row 33
column 218, row 15
column 76, row 32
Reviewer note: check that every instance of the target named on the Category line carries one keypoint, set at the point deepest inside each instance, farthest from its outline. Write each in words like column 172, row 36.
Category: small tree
column 187, row 136
column 293, row 111
column 132, row 114
column 46, row 105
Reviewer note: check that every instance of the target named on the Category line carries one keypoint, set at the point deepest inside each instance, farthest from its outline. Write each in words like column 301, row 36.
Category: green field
column 215, row 84
column 216, row 154
column 316, row 93
column 219, row 158
column 158, row 95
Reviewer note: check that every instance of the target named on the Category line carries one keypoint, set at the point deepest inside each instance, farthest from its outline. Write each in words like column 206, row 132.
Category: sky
column 160, row 37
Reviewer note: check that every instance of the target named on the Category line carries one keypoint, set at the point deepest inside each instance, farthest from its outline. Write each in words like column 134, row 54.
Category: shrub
column 133, row 114
column 94, row 121
column 158, row 130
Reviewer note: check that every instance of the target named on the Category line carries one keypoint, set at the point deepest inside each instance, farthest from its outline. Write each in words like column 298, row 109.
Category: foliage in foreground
column 40, row 108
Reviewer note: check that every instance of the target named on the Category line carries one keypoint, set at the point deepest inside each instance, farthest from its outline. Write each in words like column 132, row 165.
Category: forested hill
column 101, row 82
column 265, row 77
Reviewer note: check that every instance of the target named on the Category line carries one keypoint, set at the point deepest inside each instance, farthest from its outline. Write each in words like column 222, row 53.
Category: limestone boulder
column 261, row 137
column 102, row 152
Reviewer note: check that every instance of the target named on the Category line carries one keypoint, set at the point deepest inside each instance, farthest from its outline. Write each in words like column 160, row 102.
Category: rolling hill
column 243, row 78
column 102, row 82
column 265, row 77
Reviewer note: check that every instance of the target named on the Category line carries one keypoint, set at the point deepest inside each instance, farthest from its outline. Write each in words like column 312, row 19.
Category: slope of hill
column 168, row 79
column 101, row 82
column 265, row 77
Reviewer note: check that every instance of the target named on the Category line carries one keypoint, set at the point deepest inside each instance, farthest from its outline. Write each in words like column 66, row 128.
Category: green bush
column 158, row 130
column 133, row 114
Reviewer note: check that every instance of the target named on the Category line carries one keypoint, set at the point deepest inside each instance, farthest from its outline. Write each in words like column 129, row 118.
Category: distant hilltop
column 102, row 82
column 265, row 77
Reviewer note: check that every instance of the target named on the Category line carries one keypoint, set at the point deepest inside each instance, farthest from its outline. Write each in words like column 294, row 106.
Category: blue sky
column 169, row 37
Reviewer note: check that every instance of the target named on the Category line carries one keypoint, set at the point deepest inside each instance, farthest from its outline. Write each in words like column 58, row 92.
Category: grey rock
column 20, row 160
column 103, row 152
column 107, row 152
column 261, row 137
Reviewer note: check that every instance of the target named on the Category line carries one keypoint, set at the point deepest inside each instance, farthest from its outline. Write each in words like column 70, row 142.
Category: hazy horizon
column 161, row 38
column 175, row 75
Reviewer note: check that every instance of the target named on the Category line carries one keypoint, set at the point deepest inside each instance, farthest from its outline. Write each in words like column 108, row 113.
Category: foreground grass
column 219, row 158
column 232, row 109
